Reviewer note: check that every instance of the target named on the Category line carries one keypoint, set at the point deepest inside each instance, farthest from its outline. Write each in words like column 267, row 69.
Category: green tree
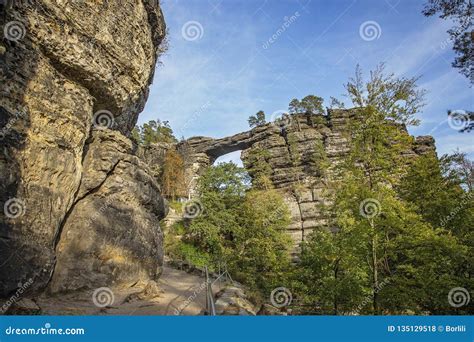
column 460, row 12
column 310, row 104
column 319, row 161
column 155, row 131
column 259, row 168
column 241, row 228
column 441, row 192
column 222, row 190
column 333, row 275
column 257, row 119
column 395, row 249
column 136, row 135
column 295, row 107
column 261, row 258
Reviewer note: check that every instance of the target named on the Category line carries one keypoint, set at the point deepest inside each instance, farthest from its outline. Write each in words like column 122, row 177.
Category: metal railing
column 210, row 305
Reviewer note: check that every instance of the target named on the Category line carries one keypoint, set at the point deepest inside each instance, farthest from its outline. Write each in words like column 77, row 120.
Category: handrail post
column 210, row 306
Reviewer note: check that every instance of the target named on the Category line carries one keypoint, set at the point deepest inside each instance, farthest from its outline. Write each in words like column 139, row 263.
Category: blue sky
column 222, row 66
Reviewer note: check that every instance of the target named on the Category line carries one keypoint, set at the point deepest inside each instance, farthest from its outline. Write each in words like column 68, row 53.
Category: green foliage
column 310, row 104
column 259, row 168
column 177, row 206
column 193, row 255
column 257, row 119
column 240, row 228
column 460, row 13
column 334, row 280
column 385, row 97
column 441, row 192
column 295, row 154
column 319, row 161
column 155, row 131
column 336, row 103
column 384, row 256
column 261, row 252
column 136, row 134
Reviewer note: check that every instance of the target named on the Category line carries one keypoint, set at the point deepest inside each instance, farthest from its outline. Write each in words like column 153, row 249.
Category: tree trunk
column 375, row 282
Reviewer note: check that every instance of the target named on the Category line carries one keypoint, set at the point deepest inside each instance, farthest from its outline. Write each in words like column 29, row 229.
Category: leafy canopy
column 155, row 131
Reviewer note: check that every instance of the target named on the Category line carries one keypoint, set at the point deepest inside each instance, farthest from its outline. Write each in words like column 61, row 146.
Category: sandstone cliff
column 290, row 145
column 80, row 209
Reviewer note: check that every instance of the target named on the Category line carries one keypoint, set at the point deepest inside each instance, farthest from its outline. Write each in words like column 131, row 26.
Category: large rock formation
column 80, row 209
column 290, row 145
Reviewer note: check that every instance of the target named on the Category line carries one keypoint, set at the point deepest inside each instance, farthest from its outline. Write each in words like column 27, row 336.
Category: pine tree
column 257, row 119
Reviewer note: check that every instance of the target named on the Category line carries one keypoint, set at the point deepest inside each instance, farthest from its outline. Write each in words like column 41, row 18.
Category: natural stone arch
column 290, row 145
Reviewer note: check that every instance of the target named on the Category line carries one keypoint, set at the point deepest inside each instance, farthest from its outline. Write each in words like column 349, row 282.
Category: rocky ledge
column 81, row 210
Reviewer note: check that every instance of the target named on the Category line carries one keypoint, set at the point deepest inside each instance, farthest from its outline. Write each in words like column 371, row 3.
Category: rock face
column 232, row 301
column 80, row 209
column 290, row 145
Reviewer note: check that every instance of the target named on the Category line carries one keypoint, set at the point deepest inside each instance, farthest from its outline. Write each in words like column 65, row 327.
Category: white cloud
column 416, row 51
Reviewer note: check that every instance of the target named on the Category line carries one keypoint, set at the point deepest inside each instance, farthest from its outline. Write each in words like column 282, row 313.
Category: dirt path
column 181, row 293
